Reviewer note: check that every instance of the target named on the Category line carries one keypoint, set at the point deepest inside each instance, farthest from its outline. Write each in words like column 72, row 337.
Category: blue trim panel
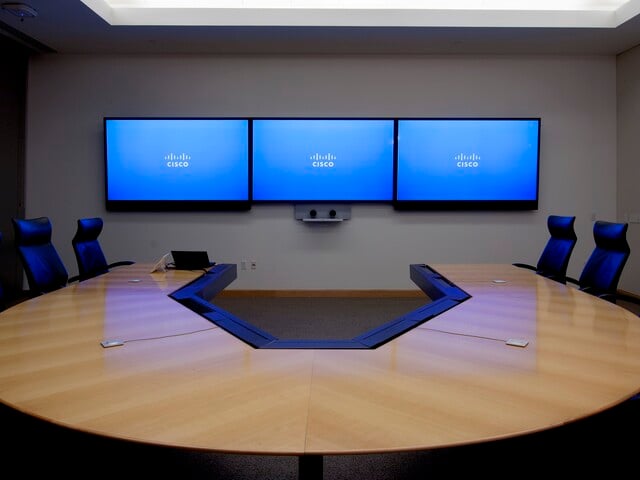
column 197, row 296
column 245, row 331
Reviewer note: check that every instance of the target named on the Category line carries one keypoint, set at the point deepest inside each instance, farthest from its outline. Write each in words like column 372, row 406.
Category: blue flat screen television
column 323, row 160
column 177, row 164
column 486, row 163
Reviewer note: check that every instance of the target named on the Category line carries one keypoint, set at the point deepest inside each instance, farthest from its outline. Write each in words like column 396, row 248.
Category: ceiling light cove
column 369, row 13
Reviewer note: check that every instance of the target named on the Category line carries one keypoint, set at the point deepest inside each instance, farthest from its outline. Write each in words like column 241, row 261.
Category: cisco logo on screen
column 323, row 161
column 467, row 160
column 177, row 161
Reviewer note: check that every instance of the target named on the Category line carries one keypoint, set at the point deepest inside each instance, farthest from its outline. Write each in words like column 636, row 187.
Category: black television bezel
column 176, row 205
column 388, row 201
column 465, row 205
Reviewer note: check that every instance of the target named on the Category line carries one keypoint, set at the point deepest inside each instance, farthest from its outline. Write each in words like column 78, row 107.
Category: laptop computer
column 191, row 260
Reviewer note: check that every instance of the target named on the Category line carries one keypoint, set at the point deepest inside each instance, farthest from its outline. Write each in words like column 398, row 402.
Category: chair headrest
column 34, row 231
column 88, row 229
column 611, row 236
column 561, row 227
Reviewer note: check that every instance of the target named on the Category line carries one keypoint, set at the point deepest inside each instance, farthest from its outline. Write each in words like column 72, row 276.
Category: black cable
column 465, row 335
column 122, row 342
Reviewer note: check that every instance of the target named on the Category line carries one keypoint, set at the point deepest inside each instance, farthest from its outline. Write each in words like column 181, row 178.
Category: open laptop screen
column 191, row 259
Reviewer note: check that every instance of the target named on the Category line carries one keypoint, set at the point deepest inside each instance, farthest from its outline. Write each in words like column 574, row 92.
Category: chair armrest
column 121, row 263
column 572, row 280
column 615, row 297
column 628, row 298
column 525, row 265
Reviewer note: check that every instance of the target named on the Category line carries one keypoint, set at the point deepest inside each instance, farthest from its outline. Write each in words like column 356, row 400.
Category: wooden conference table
column 450, row 381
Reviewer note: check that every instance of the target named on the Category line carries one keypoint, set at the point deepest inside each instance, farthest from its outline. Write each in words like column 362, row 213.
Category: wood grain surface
column 180, row 381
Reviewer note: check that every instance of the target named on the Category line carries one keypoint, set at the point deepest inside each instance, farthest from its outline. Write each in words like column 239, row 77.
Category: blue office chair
column 89, row 255
column 42, row 265
column 554, row 260
column 601, row 272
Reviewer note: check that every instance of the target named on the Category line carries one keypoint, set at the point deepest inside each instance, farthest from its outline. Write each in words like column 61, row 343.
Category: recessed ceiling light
column 20, row 10
column 369, row 13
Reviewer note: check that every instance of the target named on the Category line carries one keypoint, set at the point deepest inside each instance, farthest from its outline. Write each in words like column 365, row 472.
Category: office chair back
column 89, row 255
column 42, row 265
column 602, row 271
column 554, row 260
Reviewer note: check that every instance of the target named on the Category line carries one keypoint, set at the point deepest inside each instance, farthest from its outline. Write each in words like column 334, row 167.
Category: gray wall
column 575, row 97
column 628, row 90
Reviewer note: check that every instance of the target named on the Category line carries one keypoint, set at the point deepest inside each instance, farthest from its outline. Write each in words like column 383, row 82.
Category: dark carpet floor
column 322, row 318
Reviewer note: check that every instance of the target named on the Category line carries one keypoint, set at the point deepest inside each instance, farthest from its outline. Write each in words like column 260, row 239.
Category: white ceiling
column 70, row 26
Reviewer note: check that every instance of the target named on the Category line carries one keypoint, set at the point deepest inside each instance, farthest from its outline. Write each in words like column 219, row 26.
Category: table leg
column 310, row 467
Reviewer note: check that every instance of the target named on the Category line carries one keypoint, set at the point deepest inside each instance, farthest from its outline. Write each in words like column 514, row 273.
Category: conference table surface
column 181, row 381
